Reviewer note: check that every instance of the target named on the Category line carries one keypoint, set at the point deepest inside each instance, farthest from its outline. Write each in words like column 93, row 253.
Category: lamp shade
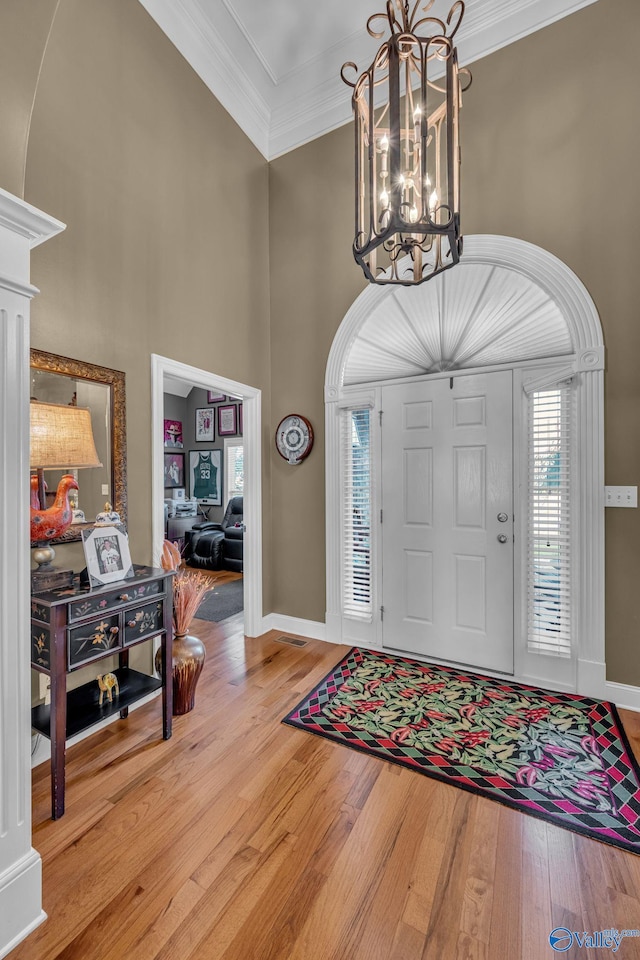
column 61, row 437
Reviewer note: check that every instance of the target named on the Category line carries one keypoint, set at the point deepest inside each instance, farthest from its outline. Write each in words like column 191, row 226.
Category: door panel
column 470, row 586
column 446, row 475
column 469, row 487
column 418, row 487
column 418, row 584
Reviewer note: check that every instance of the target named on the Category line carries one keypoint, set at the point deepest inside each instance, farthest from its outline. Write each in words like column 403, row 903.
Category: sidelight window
column 356, row 517
column 549, row 548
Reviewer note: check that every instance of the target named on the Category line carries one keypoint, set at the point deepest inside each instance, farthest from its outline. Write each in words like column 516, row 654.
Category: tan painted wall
column 162, row 194
column 551, row 143
column 161, row 190
column 314, row 279
column 24, row 28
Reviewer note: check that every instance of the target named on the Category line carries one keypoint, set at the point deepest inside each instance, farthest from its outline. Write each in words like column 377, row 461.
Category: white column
column 21, row 228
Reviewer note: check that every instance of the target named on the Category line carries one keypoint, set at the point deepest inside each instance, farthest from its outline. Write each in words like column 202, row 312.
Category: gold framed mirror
column 58, row 379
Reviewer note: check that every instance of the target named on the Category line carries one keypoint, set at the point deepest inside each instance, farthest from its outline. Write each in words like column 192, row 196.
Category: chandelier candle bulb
column 417, row 125
column 384, row 153
column 407, row 103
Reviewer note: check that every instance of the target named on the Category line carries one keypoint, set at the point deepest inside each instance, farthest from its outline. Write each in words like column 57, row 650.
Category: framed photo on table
column 173, row 470
column 106, row 553
column 205, row 476
column 204, row 424
column 228, row 420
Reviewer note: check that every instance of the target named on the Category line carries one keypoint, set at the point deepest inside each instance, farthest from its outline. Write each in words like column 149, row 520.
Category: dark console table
column 74, row 626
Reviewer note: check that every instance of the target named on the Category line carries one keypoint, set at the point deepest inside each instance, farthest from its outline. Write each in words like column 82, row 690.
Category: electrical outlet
column 105, row 489
column 621, row 496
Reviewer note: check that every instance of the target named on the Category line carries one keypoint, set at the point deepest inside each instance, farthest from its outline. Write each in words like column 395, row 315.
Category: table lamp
column 61, row 439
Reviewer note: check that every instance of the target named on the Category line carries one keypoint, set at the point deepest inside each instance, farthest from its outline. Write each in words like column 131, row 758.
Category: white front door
column 447, row 511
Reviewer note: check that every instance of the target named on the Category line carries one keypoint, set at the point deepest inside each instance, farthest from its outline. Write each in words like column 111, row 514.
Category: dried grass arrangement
column 189, row 588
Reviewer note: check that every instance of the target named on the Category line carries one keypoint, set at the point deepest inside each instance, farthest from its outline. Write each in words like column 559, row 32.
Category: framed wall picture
column 213, row 397
column 106, row 553
column 173, row 433
column 228, row 420
column 204, row 424
column 173, row 470
column 205, row 476
column 240, row 419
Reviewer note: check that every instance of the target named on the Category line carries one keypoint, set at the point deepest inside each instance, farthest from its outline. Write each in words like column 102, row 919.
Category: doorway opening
column 228, row 407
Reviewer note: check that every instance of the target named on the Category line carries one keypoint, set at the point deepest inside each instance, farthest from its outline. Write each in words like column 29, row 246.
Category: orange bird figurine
column 35, row 502
column 51, row 523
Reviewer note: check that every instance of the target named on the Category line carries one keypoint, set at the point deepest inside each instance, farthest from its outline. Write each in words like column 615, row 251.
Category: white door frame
column 578, row 312
column 251, row 420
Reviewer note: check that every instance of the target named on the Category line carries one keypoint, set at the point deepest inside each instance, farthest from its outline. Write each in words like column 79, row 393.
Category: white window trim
column 229, row 442
column 366, row 613
column 540, row 669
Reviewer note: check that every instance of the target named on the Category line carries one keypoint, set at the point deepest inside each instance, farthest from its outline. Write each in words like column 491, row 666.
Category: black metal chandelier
column 406, row 108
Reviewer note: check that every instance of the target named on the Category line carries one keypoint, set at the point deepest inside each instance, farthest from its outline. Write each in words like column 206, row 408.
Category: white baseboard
column 333, row 627
column 623, row 695
column 592, row 678
column 312, row 629
column 20, row 901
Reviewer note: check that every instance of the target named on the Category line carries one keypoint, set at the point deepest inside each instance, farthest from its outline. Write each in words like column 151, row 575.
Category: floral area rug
column 561, row 757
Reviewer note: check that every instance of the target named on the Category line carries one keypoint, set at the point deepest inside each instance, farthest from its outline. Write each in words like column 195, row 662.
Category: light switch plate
column 621, row 496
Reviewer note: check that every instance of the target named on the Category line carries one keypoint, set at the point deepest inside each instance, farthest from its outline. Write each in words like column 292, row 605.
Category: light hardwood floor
column 245, row 839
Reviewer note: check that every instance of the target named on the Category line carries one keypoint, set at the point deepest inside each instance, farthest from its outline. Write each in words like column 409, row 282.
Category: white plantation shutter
column 549, row 545
column 356, row 513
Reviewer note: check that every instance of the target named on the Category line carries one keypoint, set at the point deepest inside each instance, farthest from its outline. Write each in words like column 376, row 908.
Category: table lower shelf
column 83, row 710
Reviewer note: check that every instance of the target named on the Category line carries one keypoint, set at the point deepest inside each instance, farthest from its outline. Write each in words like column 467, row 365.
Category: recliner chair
column 233, row 526
column 219, row 545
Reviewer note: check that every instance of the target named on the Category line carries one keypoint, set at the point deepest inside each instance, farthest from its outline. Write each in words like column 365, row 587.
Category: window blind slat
column 549, row 560
column 356, row 518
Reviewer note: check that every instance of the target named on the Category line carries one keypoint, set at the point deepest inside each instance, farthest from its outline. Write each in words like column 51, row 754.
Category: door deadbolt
column 503, row 517
column 502, row 538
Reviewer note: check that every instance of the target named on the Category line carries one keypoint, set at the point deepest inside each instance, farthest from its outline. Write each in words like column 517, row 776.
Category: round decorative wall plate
column 294, row 438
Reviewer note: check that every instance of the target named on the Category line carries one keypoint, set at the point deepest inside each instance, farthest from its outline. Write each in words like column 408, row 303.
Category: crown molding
column 311, row 100
column 223, row 60
column 27, row 221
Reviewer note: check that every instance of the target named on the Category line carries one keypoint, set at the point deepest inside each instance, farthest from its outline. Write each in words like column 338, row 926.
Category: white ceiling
column 275, row 65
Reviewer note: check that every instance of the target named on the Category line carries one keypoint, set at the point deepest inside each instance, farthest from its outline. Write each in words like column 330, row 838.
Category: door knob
column 502, row 538
column 503, row 517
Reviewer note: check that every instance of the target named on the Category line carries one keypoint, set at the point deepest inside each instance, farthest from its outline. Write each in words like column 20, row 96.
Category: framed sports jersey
column 205, row 476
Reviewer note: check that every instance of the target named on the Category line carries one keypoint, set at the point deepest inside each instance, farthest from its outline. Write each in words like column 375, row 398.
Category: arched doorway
column 508, row 307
